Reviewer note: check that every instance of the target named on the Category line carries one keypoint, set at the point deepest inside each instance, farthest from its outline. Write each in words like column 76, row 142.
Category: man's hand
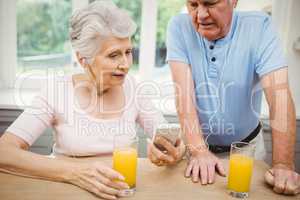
column 283, row 180
column 203, row 165
column 169, row 157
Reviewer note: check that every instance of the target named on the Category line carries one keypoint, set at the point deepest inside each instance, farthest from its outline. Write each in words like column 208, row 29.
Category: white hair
column 100, row 19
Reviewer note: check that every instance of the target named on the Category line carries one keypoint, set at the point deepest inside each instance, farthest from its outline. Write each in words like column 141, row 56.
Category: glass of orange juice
column 240, row 169
column 125, row 156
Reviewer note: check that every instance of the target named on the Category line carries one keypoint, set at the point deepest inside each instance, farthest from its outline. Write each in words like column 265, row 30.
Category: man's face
column 211, row 18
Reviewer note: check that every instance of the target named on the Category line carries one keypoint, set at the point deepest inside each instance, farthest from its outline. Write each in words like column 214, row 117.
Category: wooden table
column 153, row 183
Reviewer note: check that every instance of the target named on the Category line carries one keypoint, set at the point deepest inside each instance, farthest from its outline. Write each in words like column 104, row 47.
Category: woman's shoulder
column 55, row 89
column 54, row 82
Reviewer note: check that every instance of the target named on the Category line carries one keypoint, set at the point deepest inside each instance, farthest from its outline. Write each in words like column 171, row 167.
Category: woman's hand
column 98, row 179
column 170, row 156
column 203, row 164
column 284, row 180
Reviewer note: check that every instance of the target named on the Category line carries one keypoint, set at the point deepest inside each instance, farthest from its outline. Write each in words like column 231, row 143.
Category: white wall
column 293, row 55
column 245, row 5
column 286, row 15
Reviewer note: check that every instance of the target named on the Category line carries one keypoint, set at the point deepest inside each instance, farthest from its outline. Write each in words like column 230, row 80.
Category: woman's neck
column 85, row 84
column 101, row 91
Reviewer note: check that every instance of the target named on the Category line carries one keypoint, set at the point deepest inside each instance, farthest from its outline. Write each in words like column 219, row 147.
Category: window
column 42, row 34
column 166, row 10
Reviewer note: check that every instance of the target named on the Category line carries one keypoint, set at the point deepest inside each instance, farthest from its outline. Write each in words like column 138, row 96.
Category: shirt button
column 211, row 47
column 213, row 59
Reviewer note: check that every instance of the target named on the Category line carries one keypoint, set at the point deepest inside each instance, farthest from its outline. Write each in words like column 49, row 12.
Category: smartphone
column 170, row 132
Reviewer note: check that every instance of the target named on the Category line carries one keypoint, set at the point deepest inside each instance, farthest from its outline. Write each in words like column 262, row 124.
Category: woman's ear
column 235, row 2
column 81, row 60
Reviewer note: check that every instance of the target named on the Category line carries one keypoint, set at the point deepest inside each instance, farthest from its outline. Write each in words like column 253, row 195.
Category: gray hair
column 95, row 22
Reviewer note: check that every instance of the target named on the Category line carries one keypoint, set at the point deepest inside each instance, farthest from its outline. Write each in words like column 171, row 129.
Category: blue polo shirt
column 226, row 72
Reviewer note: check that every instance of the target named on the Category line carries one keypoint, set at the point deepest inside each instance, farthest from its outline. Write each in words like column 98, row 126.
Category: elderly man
column 221, row 61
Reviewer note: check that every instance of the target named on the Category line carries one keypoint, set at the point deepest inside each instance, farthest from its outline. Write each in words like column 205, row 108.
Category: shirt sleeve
column 269, row 55
column 176, row 47
column 34, row 120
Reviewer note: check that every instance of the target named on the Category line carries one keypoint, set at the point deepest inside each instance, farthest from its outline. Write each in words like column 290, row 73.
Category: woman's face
column 112, row 62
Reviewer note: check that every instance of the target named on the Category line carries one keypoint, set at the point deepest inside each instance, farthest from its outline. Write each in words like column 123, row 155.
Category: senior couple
column 221, row 61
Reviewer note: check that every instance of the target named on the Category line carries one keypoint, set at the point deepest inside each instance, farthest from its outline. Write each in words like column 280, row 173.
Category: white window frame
column 148, row 39
column 8, row 43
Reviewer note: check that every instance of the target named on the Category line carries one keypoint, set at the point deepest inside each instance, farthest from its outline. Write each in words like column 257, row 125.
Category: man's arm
column 282, row 116
column 281, row 176
column 186, row 104
column 202, row 163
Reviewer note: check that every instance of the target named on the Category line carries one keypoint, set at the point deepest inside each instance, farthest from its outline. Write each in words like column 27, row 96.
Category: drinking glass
column 240, row 168
column 125, row 160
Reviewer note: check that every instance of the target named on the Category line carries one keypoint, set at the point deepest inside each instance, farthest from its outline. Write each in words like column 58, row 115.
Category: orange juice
column 240, row 172
column 125, row 162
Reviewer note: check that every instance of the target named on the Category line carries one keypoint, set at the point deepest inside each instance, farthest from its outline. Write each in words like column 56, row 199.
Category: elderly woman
column 85, row 110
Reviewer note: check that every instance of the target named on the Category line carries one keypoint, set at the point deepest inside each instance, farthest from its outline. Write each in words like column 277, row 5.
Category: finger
column 269, row 178
column 290, row 187
column 108, row 190
column 154, row 160
column 298, row 185
column 297, row 191
column 101, row 187
column 203, row 174
column 110, row 173
column 167, row 145
column 113, row 184
column 96, row 192
column 279, row 182
column 211, row 173
column 161, row 163
column 96, row 188
column 152, row 154
column 188, row 170
column 161, row 156
column 158, row 162
column 195, row 172
column 220, row 168
column 107, row 196
column 292, row 184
